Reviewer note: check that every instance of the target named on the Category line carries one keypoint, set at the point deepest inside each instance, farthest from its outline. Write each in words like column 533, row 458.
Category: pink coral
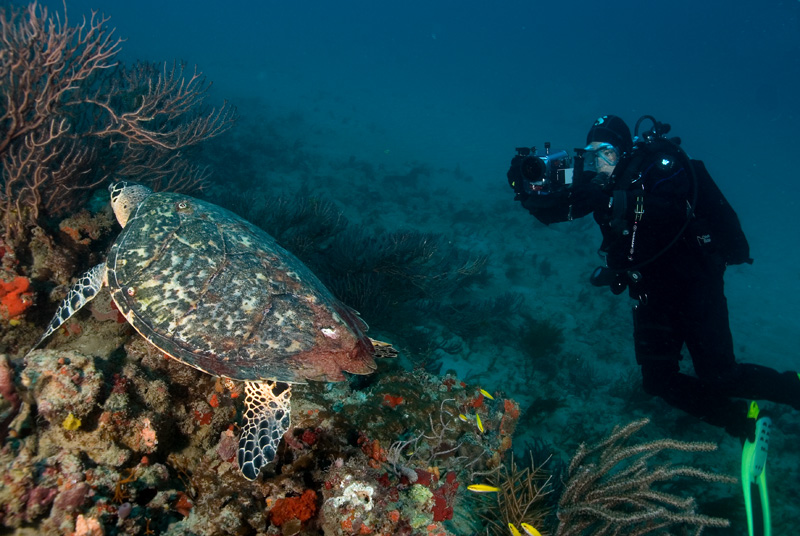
column 87, row 526
column 228, row 445
column 148, row 436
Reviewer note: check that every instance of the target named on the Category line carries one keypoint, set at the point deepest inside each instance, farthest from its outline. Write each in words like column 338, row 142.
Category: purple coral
column 124, row 510
column 227, row 446
column 66, row 503
column 39, row 500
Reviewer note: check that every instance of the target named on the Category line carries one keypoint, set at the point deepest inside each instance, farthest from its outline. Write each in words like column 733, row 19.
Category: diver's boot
column 790, row 388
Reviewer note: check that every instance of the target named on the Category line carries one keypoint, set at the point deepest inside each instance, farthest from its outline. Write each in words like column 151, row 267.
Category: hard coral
column 15, row 297
column 302, row 508
column 62, row 383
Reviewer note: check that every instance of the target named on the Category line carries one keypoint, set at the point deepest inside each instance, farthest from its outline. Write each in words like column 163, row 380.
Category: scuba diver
column 668, row 235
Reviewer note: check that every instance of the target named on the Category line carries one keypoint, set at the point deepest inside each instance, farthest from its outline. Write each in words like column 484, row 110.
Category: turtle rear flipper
column 82, row 292
column 266, row 418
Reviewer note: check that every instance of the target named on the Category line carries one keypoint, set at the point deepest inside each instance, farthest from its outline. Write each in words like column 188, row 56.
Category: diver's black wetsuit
column 679, row 261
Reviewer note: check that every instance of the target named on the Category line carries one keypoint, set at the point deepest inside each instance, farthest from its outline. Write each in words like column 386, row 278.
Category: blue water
column 465, row 81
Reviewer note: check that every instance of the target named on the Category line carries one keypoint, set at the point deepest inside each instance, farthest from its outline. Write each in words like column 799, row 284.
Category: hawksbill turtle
column 217, row 293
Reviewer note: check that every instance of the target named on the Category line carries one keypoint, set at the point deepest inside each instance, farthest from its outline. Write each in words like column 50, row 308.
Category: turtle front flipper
column 85, row 288
column 266, row 419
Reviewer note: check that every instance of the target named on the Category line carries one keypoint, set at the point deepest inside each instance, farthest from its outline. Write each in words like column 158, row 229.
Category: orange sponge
column 302, row 508
column 15, row 297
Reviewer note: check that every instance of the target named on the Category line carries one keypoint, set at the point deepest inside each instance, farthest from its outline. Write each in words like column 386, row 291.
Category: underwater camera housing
column 542, row 171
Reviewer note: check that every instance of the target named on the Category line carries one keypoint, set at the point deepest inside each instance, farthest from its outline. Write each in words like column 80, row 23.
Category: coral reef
column 127, row 442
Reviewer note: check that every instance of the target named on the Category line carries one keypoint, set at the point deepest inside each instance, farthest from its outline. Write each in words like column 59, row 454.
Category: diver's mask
column 600, row 158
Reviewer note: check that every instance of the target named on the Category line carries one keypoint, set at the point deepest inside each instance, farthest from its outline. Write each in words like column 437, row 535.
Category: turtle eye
column 131, row 291
column 183, row 205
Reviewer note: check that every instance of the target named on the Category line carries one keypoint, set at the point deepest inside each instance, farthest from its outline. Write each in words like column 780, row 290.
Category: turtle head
column 125, row 197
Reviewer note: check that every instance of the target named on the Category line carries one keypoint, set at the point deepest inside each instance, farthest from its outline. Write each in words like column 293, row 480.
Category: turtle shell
column 219, row 294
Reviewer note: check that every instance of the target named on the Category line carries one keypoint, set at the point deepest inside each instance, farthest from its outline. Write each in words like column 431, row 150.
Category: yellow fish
column 480, row 424
column 487, row 395
column 482, row 488
column 463, row 417
column 530, row 530
column 513, row 530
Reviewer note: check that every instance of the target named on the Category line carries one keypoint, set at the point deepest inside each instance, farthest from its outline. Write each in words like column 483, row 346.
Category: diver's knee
column 656, row 377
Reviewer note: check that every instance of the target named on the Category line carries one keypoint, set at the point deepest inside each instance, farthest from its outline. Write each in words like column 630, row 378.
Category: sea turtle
column 219, row 294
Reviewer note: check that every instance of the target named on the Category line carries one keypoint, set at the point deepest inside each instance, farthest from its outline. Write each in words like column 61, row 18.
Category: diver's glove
column 548, row 207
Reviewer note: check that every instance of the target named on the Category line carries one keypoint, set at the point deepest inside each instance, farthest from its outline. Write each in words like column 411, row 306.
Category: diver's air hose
column 690, row 212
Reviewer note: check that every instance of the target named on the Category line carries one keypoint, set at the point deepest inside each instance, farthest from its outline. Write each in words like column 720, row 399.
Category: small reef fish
column 486, row 394
column 482, row 488
column 530, row 530
column 480, row 424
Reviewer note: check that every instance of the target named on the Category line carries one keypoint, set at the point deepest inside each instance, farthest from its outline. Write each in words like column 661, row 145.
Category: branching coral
column 522, row 496
column 610, row 490
column 73, row 116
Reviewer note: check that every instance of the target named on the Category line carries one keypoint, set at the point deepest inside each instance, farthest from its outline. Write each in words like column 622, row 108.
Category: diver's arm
column 567, row 204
